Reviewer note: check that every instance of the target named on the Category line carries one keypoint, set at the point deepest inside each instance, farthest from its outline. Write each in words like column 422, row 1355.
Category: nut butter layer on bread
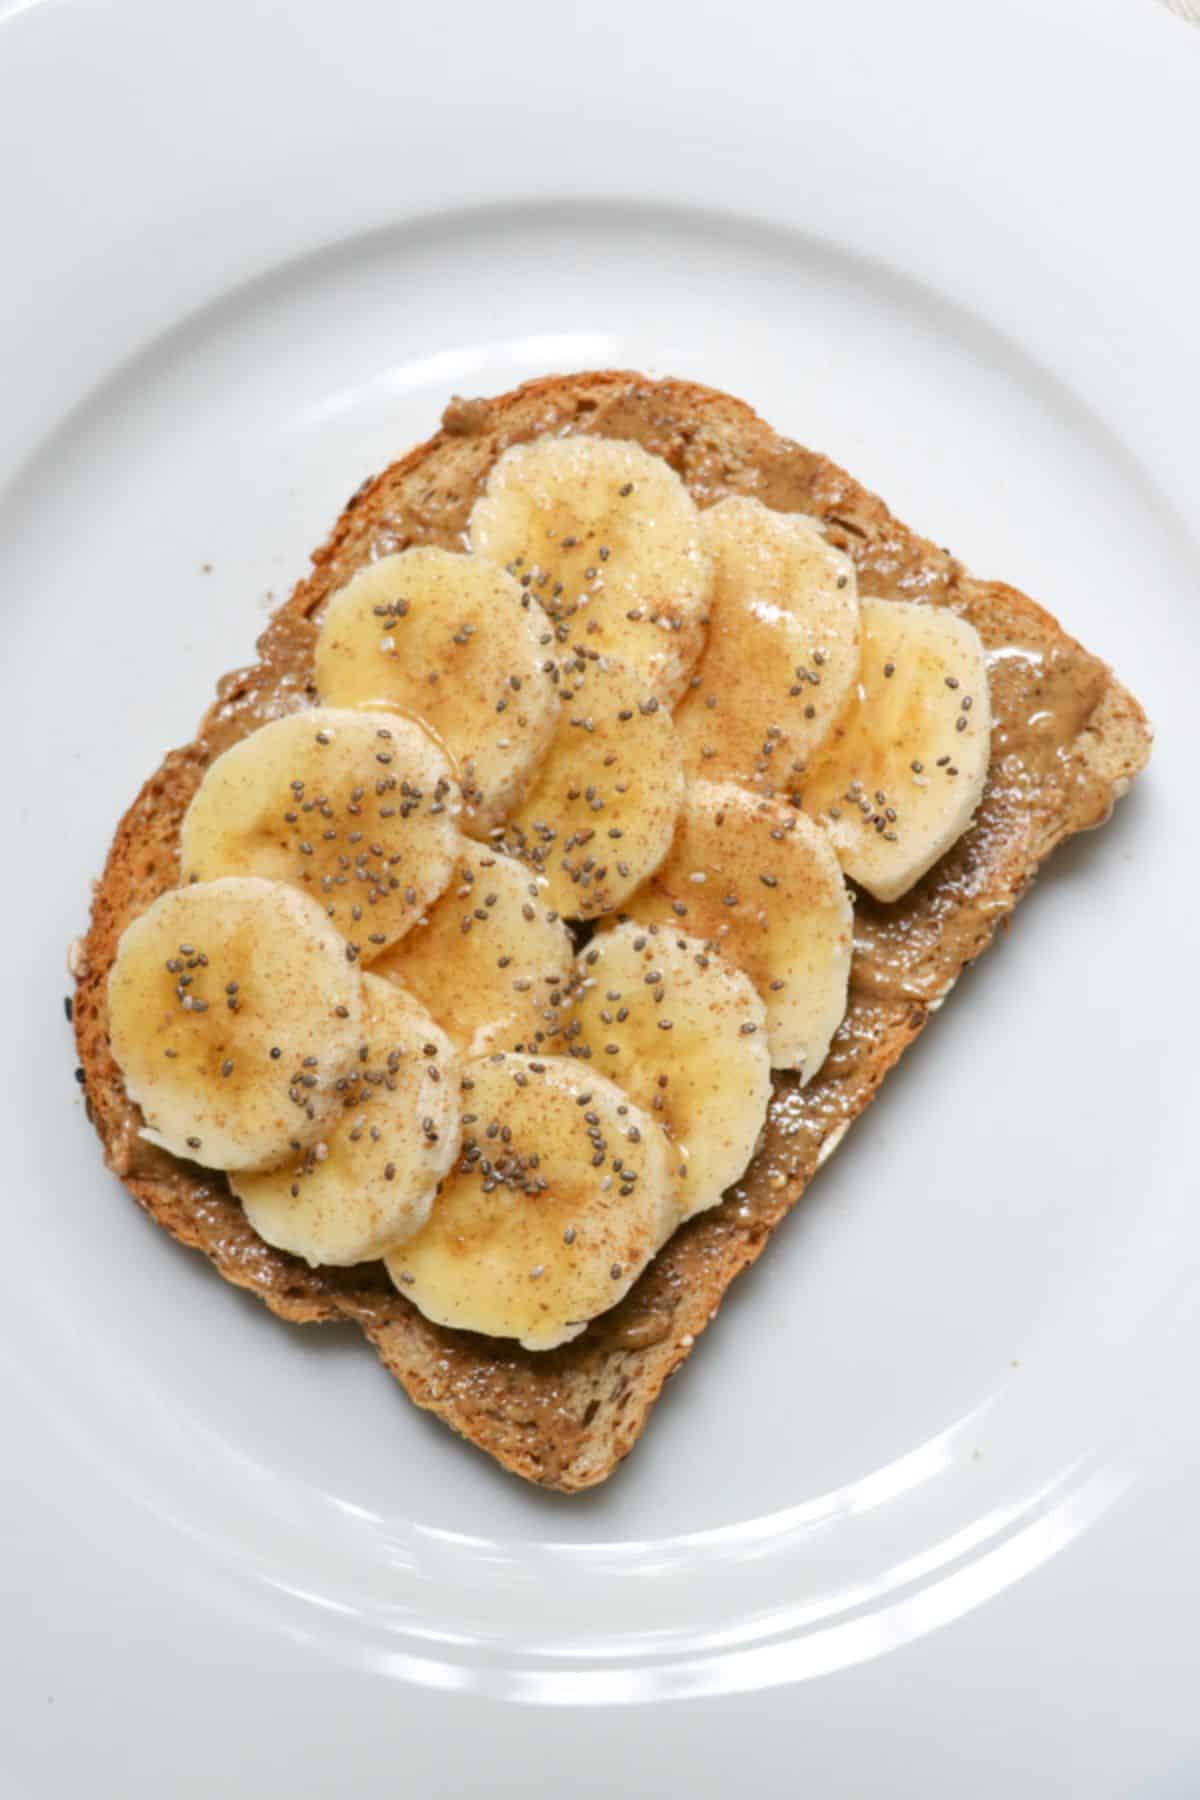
column 1067, row 740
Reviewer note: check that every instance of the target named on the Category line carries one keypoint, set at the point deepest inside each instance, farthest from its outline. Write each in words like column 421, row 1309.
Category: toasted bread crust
column 566, row 1418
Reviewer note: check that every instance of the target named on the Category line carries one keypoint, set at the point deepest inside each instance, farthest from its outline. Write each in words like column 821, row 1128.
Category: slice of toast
column 1067, row 741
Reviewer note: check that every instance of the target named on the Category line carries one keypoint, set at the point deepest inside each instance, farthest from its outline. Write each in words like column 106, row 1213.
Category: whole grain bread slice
column 1067, row 741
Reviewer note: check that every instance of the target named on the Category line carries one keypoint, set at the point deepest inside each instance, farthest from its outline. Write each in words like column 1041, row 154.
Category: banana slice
column 898, row 781
column 233, row 1015
column 489, row 958
column 782, row 651
column 356, row 809
column 369, row 1180
column 562, row 1195
column 685, row 1035
column 608, row 539
column 599, row 816
column 456, row 643
column 759, row 881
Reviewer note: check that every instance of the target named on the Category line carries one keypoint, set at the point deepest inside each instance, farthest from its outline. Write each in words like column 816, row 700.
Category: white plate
column 918, row 1516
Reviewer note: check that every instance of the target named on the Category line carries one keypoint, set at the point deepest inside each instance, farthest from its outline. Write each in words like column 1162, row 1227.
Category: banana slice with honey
column 759, row 881
column 599, row 816
column 455, row 642
column 608, row 539
column 685, row 1034
column 561, row 1195
column 899, row 779
column 233, row 1015
column 355, row 809
column 368, row 1182
column 491, row 959
column 782, row 652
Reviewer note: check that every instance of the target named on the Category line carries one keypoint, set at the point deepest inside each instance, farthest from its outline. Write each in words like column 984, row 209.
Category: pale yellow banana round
column 600, row 813
column 561, row 1196
column 233, row 1015
column 491, row 960
column 607, row 538
column 356, row 809
column 899, row 779
column 685, row 1034
column 368, row 1182
column 459, row 644
column 782, row 652
column 760, row 881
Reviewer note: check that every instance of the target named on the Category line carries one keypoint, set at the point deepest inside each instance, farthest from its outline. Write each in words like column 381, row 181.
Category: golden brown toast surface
column 1067, row 739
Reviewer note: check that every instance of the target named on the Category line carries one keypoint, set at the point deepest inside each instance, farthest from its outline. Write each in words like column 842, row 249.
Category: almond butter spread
column 1041, row 786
